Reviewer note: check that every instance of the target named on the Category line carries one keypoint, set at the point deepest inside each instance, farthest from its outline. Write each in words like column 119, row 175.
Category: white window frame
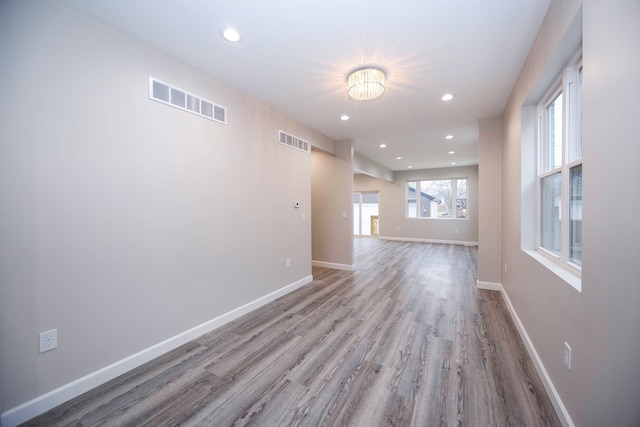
column 571, row 135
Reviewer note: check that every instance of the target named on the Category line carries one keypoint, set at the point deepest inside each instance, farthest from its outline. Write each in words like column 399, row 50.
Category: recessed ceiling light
column 398, row 158
column 383, row 145
column 452, row 152
column 410, row 167
column 448, row 137
column 344, row 117
column 453, row 163
column 447, row 97
column 231, row 35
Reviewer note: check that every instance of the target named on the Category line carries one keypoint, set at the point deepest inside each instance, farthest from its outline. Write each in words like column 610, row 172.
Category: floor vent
column 178, row 98
column 294, row 142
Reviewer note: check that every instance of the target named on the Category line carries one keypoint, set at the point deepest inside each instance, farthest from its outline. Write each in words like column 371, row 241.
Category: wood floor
column 404, row 340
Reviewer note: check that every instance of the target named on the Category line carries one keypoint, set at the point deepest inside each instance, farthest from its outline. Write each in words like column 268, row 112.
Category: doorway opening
column 365, row 214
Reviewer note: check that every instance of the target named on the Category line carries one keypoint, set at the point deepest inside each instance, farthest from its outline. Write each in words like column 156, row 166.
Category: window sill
column 562, row 273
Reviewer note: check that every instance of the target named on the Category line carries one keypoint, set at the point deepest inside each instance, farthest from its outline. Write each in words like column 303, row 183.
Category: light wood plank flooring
column 404, row 340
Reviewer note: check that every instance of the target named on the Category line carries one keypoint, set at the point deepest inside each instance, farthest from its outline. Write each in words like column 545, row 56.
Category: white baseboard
column 413, row 239
column 332, row 265
column 489, row 286
column 558, row 405
column 561, row 410
column 43, row 403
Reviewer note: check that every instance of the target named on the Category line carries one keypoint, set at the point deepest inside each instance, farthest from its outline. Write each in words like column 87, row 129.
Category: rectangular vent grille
column 294, row 142
column 178, row 98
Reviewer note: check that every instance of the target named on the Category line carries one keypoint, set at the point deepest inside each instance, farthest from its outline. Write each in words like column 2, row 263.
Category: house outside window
column 438, row 199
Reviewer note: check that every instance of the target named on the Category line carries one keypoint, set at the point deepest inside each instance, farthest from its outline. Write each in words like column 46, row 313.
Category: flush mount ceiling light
column 366, row 83
column 447, row 97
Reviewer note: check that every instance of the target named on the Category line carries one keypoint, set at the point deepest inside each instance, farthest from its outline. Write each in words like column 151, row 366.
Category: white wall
column 125, row 221
column 601, row 322
column 393, row 221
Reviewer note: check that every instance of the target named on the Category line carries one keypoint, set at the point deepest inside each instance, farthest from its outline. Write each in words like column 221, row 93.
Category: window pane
column 550, row 212
column 411, row 199
column 580, row 113
column 575, row 215
column 554, row 133
column 356, row 213
column 461, row 198
column 435, row 198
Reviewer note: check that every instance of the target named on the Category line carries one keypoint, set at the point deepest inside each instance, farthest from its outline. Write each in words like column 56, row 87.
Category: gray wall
column 601, row 322
column 490, row 196
column 393, row 220
column 125, row 221
column 331, row 179
column 362, row 164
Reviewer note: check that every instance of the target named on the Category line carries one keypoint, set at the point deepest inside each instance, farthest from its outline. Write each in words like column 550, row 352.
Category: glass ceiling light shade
column 366, row 83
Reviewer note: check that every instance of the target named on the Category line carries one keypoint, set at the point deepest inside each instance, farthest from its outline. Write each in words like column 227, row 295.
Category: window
column 560, row 169
column 443, row 198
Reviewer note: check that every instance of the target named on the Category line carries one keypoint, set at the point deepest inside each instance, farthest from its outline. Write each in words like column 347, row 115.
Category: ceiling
column 295, row 56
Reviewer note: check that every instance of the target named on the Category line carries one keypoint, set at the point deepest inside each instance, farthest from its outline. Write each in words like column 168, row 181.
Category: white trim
column 333, row 265
column 489, row 286
column 558, row 405
column 556, row 268
column 564, row 85
column 561, row 410
column 43, row 403
column 413, row 239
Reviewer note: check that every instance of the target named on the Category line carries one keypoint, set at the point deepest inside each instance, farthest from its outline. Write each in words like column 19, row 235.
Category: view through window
column 442, row 198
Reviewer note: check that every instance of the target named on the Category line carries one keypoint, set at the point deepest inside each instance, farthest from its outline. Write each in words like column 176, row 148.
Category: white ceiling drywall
column 295, row 55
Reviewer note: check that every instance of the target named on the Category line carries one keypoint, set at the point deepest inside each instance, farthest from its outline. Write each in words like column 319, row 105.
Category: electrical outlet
column 48, row 340
column 567, row 355
column 288, row 263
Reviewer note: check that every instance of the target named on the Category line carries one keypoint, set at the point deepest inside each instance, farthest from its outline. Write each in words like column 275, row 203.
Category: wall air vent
column 294, row 142
column 178, row 98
